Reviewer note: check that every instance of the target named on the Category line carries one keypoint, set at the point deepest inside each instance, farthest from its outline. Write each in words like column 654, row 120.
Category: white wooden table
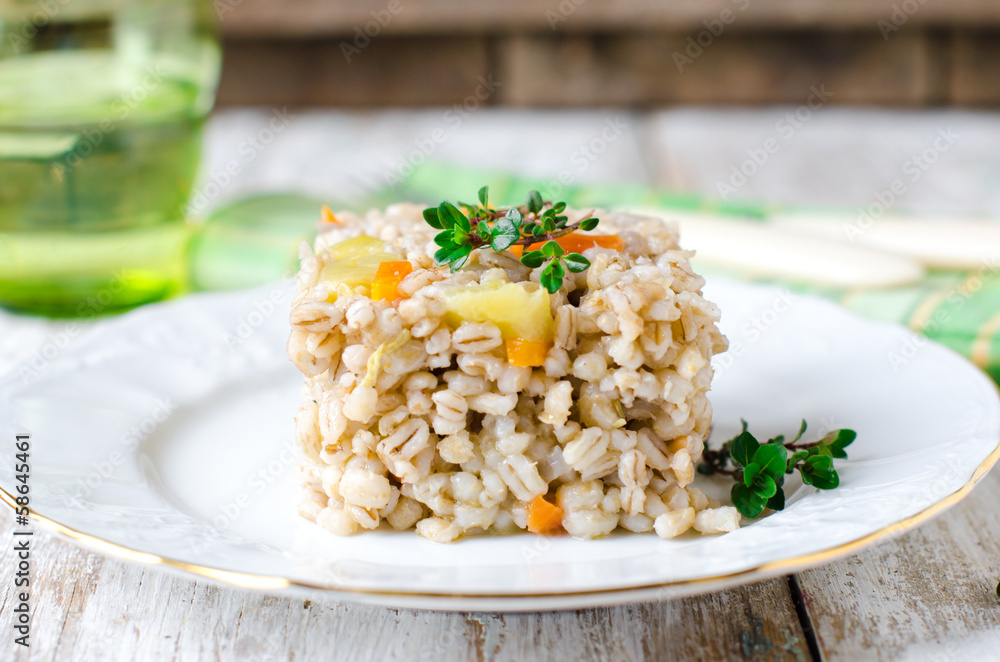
column 928, row 595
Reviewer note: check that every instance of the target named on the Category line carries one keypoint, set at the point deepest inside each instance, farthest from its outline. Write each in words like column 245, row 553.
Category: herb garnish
column 760, row 469
column 535, row 222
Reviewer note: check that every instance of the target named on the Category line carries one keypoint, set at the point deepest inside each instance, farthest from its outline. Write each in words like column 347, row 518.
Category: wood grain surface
column 927, row 595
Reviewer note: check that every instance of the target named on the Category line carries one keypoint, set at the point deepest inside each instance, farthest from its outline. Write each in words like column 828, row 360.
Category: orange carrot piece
column 574, row 243
column 326, row 215
column 577, row 243
column 527, row 353
column 544, row 517
column 387, row 279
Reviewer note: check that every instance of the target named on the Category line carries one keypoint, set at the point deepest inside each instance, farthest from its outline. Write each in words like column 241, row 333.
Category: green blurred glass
column 102, row 105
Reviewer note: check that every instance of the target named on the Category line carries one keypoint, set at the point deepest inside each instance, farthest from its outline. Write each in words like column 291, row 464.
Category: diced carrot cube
column 574, row 243
column 544, row 517
column 387, row 279
column 527, row 353
column 326, row 215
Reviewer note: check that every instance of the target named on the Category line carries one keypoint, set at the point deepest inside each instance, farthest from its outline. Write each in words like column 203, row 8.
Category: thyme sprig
column 760, row 469
column 481, row 226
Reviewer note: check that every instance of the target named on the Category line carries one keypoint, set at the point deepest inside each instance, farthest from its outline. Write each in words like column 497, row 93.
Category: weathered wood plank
column 314, row 17
column 581, row 70
column 975, row 76
column 911, row 67
column 339, row 72
column 86, row 605
column 734, row 67
column 755, row 622
column 563, row 70
column 929, row 595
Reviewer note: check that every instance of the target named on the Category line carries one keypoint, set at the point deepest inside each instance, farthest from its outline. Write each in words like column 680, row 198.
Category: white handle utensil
column 762, row 250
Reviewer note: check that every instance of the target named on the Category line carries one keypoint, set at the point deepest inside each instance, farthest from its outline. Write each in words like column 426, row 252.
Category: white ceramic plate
column 166, row 439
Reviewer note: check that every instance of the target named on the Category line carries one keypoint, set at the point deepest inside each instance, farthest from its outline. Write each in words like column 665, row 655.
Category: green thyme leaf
column 771, row 458
column 452, row 217
column 445, row 238
column 452, row 256
column 514, row 216
column 802, row 430
column 747, row 501
column 559, row 207
column 552, row 248
column 818, row 471
column 744, row 446
column 576, row 262
column 533, row 259
column 534, row 202
column 765, row 486
column 588, row 224
column 838, row 440
column 777, row 502
column 459, row 261
column 432, row 219
column 794, row 459
column 484, row 196
column 504, row 234
column 552, row 276
column 443, row 255
column 545, row 280
column 822, row 449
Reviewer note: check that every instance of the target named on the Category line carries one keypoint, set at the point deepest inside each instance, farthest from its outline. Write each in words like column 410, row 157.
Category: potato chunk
column 519, row 310
column 354, row 263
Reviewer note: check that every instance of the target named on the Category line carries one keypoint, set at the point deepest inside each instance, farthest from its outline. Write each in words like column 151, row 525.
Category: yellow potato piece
column 354, row 263
column 355, row 248
column 520, row 310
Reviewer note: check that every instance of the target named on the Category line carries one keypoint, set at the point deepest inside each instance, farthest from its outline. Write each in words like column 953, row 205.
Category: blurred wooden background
column 557, row 53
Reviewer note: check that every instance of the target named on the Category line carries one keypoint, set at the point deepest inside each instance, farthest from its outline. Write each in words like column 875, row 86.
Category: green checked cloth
column 961, row 310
